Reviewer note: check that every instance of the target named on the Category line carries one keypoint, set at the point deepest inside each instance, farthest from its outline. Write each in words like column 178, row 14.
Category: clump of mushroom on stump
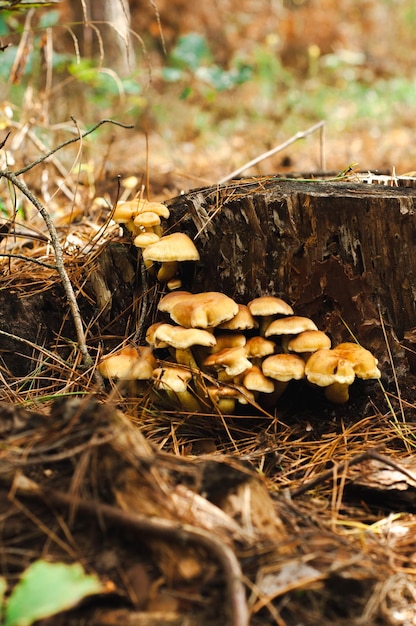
column 221, row 353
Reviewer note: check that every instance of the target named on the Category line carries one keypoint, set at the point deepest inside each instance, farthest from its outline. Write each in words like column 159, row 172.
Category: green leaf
column 190, row 51
column 46, row 589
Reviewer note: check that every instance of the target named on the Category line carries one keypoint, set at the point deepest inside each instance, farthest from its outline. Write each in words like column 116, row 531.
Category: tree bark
column 341, row 253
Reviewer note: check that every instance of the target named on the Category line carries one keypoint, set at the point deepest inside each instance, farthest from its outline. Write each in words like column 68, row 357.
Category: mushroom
column 128, row 364
column 143, row 240
column 336, row 369
column 309, row 341
column 228, row 340
column 363, row 362
column 267, row 308
column 148, row 221
column 232, row 360
column 330, row 370
column 286, row 327
column 224, row 397
column 169, row 251
column 283, row 368
column 182, row 339
column 258, row 347
column 243, row 320
column 255, row 380
column 202, row 310
column 173, row 381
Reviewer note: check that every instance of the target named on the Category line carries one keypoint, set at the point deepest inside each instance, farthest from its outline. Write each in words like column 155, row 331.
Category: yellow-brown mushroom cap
column 292, row 325
column 257, row 347
column 363, row 361
column 179, row 337
column 129, row 363
column 309, row 341
column 174, row 247
column 145, row 239
column 203, row 310
column 147, row 219
column 269, row 305
column 172, row 378
column 232, row 360
column 325, row 367
column 243, row 320
column 283, row 367
column 255, row 380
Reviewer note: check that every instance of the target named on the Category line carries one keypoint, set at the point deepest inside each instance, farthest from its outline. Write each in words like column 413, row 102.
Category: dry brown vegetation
column 300, row 515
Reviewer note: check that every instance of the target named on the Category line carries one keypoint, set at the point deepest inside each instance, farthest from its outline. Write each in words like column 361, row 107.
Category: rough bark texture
column 339, row 252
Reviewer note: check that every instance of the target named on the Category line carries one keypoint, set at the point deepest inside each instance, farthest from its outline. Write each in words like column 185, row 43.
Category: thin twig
column 28, row 259
column 68, row 142
column 171, row 531
column 269, row 153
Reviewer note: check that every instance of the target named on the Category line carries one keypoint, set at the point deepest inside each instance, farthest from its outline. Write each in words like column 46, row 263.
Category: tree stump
column 342, row 253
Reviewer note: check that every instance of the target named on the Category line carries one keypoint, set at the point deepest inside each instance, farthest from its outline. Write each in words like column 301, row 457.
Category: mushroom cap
column 309, row 341
column 170, row 299
column 155, row 207
column 234, row 392
column 269, row 305
column 229, row 340
column 129, row 364
column 171, row 378
column 243, row 320
column 174, row 247
column 143, row 240
column 283, row 367
column 203, row 310
column 179, row 337
column 125, row 211
column 232, row 360
column 259, row 347
column 255, row 380
column 292, row 325
column 147, row 219
column 325, row 367
column 363, row 362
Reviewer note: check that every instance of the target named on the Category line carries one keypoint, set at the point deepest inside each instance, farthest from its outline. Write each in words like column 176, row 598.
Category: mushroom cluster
column 212, row 352
column 143, row 219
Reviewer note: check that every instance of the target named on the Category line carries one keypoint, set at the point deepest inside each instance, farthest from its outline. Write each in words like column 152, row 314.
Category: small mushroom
column 149, row 222
column 224, row 397
column 283, row 368
column 174, row 381
column 267, row 308
column 232, row 360
column 330, row 370
column 287, row 327
column 169, row 251
column 309, row 341
column 243, row 320
column 128, row 364
column 202, row 310
column 255, row 380
column 182, row 339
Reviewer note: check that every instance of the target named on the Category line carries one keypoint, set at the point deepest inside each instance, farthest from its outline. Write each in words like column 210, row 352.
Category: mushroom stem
column 337, row 392
column 167, row 271
column 184, row 356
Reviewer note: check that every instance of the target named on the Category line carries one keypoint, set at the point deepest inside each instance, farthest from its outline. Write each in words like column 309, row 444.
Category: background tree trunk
column 105, row 30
